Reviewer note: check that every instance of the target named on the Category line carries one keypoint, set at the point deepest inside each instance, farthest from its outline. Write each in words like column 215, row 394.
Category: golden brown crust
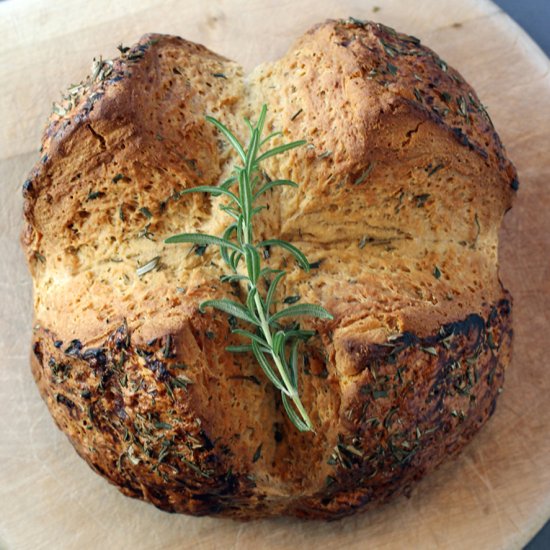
column 401, row 192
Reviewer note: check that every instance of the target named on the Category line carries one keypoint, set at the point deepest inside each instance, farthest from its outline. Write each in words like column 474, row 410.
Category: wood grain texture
column 496, row 495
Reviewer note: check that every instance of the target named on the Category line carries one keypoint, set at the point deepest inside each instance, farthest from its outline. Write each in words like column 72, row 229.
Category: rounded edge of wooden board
column 537, row 57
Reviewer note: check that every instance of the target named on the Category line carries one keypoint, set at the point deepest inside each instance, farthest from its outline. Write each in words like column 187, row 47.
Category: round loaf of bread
column 401, row 191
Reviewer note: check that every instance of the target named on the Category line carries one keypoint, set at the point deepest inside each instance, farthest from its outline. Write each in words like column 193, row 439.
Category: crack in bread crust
column 402, row 189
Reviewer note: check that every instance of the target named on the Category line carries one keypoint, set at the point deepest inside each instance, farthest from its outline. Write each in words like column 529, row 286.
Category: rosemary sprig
column 274, row 345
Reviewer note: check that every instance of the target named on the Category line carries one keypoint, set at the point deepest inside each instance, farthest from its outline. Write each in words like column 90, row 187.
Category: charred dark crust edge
column 465, row 363
column 372, row 461
column 147, row 455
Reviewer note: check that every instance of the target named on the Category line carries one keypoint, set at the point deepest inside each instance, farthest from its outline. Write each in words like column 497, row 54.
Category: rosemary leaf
column 149, row 266
column 232, row 308
column 201, row 239
column 302, row 309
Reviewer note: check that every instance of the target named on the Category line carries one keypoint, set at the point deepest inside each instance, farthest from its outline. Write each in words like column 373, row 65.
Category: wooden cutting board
column 496, row 495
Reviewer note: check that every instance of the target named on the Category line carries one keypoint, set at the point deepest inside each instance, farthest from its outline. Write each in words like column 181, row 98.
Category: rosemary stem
column 269, row 340
column 293, row 392
column 303, row 413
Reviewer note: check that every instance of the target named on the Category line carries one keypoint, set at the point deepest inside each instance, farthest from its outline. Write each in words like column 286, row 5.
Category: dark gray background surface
column 534, row 17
